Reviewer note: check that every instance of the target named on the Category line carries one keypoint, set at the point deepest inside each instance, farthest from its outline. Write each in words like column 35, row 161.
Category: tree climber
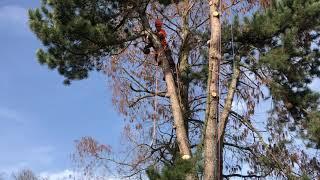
column 161, row 34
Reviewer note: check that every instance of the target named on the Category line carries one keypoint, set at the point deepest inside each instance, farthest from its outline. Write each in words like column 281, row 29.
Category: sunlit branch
column 228, row 102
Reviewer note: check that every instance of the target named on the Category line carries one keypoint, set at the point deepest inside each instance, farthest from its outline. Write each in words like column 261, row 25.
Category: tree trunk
column 183, row 65
column 182, row 75
column 183, row 88
column 183, row 141
column 179, row 122
column 212, row 147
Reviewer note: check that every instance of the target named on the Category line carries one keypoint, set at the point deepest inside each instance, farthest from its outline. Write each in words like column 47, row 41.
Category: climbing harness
column 162, row 37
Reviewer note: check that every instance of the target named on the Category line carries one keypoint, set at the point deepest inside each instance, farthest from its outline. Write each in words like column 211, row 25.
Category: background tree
column 25, row 174
column 269, row 56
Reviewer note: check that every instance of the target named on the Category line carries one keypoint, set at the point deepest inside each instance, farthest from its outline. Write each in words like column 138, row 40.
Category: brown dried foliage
column 132, row 77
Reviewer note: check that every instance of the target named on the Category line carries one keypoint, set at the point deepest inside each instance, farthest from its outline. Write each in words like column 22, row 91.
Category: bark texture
column 212, row 170
column 177, row 112
column 179, row 122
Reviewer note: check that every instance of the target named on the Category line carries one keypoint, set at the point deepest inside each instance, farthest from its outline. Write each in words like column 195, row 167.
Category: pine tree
column 176, row 171
column 78, row 34
column 271, row 53
column 285, row 37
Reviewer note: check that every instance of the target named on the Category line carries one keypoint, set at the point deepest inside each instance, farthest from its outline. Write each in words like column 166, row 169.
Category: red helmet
column 158, row 23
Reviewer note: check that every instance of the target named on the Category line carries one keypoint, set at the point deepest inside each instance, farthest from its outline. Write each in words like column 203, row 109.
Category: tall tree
column 267, row 53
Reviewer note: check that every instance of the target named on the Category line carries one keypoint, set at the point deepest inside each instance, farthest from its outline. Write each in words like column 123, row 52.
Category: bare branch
column 239, row 147
column 196, row 121
column 229, row 100
column 243, row 176
column 145, row 90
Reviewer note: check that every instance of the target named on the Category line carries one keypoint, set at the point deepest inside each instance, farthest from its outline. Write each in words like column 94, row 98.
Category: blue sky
column 40, row 118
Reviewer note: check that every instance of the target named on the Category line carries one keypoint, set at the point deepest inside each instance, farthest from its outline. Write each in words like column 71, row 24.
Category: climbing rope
column 233, row 58
column 155, row 109
column 218, row 84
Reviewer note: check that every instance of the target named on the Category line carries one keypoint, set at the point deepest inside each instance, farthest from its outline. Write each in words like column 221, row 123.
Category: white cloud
column 13, row 160
column 70, row 175
column 62, row 175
